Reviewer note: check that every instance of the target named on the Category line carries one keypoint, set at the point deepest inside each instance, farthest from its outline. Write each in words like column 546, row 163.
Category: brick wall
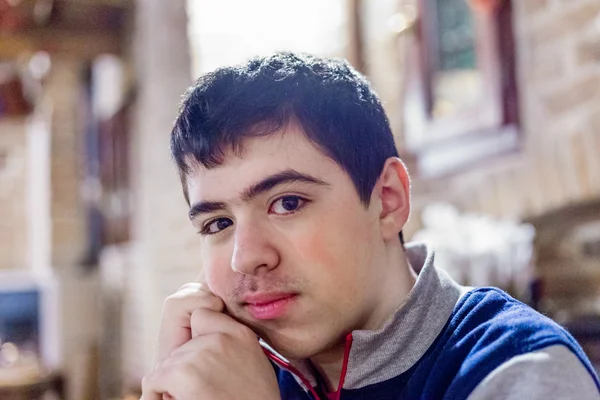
column 13, row 174
column 162, row 254
column 63, row 90
column 79, row 306
column 30, row 167
column 558, row 52
column 383, row 65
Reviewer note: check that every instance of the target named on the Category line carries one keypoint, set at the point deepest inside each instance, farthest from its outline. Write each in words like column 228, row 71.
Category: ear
column 393, row 189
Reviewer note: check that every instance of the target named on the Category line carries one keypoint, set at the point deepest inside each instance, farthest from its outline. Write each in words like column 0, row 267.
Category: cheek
column 337, row 247
column 216, row 265
column 319, row 250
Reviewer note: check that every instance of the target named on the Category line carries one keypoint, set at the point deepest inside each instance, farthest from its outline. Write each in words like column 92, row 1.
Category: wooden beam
column 82, row 28
column 77, row 44
column 355, row 35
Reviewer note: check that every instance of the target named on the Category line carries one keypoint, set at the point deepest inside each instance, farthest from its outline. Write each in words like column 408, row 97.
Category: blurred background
column 495, row 105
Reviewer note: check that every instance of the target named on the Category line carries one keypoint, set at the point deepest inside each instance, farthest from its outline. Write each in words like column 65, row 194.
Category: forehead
column 260, row 157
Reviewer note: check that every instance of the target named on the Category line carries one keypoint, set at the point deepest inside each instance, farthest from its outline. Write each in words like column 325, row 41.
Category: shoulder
column 488, row 328
column 490, row 317
column 551, row 372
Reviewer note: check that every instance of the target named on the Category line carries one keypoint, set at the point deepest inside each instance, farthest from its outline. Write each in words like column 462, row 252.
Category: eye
column 216, row 226
column 287, row 205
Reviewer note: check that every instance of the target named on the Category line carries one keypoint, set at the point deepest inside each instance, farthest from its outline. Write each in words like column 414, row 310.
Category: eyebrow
column 263, row 186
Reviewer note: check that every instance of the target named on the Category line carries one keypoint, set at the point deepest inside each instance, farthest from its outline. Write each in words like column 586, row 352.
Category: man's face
column 286, row 242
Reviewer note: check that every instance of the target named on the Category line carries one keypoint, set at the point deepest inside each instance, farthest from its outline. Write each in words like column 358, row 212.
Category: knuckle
column 146, row 382
column 196, row 318
column 221, row 342
column 215, row 302
column 187, row 290
column 246, row 334
column 190, row 287
column 171, row 300
column 192, row 376
column 193, row 295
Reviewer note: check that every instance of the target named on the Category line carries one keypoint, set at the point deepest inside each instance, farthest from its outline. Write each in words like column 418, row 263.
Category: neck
column 329, row 365
column 398, row 279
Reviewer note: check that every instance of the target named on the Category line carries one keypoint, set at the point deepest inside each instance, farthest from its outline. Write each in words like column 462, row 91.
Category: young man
column 294, row 186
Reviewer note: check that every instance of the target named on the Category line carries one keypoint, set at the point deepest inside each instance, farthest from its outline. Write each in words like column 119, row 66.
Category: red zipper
column 294, row 371
column 305, row 381
column 347, row 347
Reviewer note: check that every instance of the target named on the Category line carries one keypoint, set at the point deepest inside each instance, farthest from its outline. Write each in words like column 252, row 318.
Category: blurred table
column 34, row 389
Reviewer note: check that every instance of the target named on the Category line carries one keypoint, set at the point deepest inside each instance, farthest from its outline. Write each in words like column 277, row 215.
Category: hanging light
column 485, row 6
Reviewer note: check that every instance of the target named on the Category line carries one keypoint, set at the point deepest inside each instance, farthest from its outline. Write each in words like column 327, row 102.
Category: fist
column 205, row 354
column 175, row 324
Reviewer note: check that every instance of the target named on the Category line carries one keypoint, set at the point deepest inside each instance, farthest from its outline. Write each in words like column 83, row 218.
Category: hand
column 205, row 354
column 175, row 324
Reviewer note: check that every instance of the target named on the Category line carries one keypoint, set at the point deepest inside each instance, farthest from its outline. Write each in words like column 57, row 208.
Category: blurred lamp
column 12, row 97
column 487, row 6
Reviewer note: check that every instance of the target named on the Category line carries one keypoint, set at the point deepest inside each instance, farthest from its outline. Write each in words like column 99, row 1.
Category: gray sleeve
column 554, row 372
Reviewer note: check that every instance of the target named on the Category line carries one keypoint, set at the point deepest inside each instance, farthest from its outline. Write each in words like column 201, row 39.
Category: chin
column 298, row 344
column 293, row 350
column 296, row 340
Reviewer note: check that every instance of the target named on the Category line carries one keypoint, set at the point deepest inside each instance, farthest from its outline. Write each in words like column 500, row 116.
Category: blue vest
column 486, row 328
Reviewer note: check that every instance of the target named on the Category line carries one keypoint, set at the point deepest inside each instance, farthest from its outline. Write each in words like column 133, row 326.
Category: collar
column 376, row 356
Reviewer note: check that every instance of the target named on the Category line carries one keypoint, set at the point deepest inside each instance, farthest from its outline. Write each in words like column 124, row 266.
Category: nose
column 253, row 252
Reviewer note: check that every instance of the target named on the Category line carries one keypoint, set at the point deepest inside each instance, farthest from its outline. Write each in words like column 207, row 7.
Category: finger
column 189, row 297
column 151, row 396
column 177, row 311
column 195, row 295
column 200, row 287
column 149, row 393
column 206, row 322
column 217, row 344
column 203, row 286
column 168, row 381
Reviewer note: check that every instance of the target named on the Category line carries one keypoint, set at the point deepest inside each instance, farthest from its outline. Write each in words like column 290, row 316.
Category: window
column 460, row 99
column 221, row 37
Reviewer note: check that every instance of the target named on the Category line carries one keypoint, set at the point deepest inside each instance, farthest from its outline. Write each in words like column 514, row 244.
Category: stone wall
column 162, row 254
column 558, row 53
column 64, row 90
column 13, row 196
column 558, row 167
column 78, row 288
column 42, row 217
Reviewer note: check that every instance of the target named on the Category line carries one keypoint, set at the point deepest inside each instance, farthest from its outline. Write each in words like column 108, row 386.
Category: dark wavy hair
column 333, row 104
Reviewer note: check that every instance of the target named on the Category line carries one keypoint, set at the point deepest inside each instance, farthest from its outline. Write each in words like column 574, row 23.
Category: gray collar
column 376, row 356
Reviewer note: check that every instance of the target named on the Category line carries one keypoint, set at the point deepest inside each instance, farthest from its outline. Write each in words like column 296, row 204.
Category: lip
column 266, row 306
